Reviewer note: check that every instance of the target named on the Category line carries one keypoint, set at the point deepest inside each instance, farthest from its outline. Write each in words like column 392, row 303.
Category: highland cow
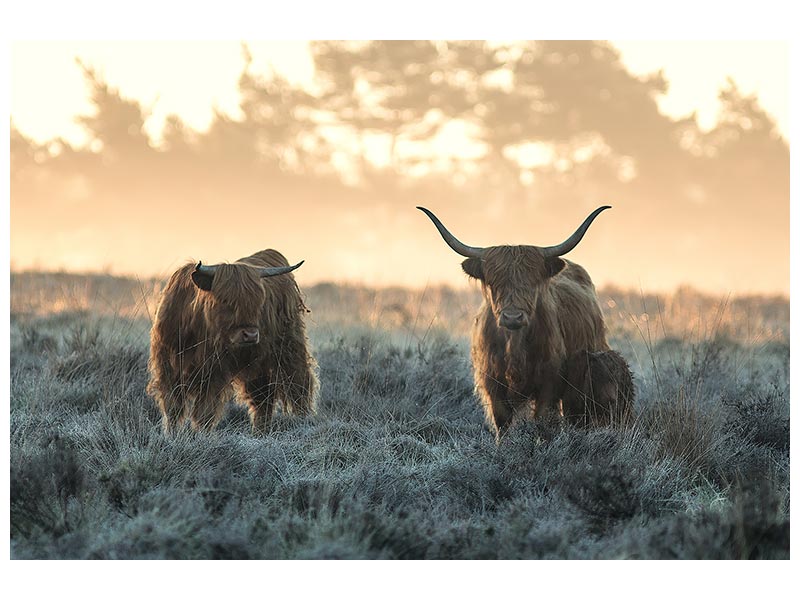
column 538, row 310
column 231, row 328
column 598, row 389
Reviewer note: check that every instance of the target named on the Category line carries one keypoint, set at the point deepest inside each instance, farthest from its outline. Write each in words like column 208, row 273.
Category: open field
column 398, row 463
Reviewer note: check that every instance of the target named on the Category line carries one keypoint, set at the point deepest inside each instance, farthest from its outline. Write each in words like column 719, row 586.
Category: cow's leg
column 298, row 385
column 173, row 410
column 573, row 405
column 502, row 416
column 171, row 402
column 169, row 395
column 577, row 384
column 208, row 406
column 259, row 395
column 294, row 373
column 493, row 393
column 547, row 400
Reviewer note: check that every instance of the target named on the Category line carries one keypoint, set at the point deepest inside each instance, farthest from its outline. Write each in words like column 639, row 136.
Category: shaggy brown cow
column 538, row 309
column 599, row 389
column 231, row 327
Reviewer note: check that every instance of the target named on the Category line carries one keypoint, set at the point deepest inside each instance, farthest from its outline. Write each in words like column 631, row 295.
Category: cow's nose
column 250, row 334
column 512, row 314
column 512, row 318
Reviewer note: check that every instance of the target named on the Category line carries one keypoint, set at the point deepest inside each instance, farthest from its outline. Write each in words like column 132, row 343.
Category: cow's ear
column 202, row 280
column 554, row 265
column 473, row 267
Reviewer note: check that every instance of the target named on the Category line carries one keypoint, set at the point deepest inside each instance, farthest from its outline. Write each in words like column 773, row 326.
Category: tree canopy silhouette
column 519, row 132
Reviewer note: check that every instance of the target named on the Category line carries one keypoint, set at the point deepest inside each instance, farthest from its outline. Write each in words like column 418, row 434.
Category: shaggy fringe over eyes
column 513, row 273
column 241, row 287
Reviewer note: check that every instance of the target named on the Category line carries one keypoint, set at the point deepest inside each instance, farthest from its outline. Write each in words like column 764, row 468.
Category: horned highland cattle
column 538, row 310
column 226, row 328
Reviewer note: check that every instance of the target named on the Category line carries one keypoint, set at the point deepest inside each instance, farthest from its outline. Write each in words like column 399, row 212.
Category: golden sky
column 208, row 78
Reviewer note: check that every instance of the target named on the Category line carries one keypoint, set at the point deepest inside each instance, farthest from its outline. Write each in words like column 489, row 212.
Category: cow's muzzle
column 513, row 319
column 246, row 336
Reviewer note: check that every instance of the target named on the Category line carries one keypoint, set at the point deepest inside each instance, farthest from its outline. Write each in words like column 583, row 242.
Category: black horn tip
column 275, row 271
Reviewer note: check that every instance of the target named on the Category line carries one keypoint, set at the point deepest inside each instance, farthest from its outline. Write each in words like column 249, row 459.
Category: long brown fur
column 194, row 369
column 599, row 389
column 519, row 369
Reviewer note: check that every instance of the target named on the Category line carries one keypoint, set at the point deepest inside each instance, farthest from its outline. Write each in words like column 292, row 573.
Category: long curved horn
column 206, row 269
column 272, row 271
column 452, row 241
column 573, row 240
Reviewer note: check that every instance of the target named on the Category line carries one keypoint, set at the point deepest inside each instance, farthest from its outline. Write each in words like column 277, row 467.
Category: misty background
column 507, row 143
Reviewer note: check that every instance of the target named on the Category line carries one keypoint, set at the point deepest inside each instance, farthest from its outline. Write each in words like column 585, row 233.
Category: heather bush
column 397, row 462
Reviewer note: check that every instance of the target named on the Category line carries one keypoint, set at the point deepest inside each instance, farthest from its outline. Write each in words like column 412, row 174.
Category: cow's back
column 579, row 314
column 266, row 258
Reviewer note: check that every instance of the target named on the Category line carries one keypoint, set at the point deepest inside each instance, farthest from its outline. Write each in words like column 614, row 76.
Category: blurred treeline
column 509, row 143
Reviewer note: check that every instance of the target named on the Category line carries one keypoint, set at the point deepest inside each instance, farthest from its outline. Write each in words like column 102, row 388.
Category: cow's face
column 512, row 278
column 234, row 299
